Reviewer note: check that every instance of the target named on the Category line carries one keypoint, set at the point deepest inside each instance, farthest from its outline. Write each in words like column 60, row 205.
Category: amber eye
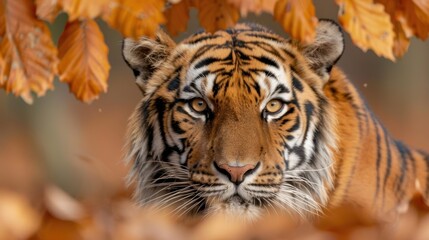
column 274, row 106
column 198, row 105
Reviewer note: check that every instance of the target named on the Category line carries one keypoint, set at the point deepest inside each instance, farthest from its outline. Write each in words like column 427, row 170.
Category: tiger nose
column 236, row 174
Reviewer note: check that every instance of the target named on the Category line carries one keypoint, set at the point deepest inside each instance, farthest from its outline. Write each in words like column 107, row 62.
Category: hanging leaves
column 297, row 18
column 369, row 26
column 135, row 18
column 84, row 59
column 217, row 14
column 28, row 51
column 83, row 9
column 28, row 57
column 48, row 10
column 177, row 11
column 255, row 6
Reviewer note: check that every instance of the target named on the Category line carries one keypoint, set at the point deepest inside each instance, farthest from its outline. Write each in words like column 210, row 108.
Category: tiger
column 244, row 121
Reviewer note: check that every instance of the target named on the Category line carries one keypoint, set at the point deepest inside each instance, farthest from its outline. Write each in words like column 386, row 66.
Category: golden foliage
column 255, row 6
column 135, row 18
column 175, row 12
column 410, row 18
column 216, row 14
column 48, row 10
column 383, row 26
column 84, row 59
column 28, row 51
column 297, row 18
column 369, row 26
column 83, row 9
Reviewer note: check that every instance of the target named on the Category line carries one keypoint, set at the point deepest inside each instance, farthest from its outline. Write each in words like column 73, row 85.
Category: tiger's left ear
column 326, row 49
column 146, row 55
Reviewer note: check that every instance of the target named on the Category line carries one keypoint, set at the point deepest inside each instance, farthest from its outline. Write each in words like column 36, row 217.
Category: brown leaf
column 48, row 10
column 401, row 41
column 2, row 79
column 135, row 18
column 28, row 51
column 177, row 11
column 297, row 18
column 369, row 26
column 217, row 14
column 255, row 6
column 83, row 9
column 84, row 59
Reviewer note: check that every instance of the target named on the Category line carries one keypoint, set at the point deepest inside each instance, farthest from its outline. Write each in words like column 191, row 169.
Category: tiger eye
column 198, row 105
column 274, row 106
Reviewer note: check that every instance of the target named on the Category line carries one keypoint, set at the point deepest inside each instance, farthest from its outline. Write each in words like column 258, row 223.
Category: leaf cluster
column 29, row 60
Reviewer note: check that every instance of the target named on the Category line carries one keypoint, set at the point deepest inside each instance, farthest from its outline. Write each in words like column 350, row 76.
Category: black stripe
column 404, row 152
column 378, row 158
column 160, row 105
column 295, row 126
column 174, row 84
column 267, row 61
column 281, row 89
column 426, row 160
column 203, row 38
column 264, row 36
column 297, row 84
column 206, row 61
column 388, row 161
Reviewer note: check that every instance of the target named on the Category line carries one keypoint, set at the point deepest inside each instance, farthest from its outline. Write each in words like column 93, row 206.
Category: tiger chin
column 243, row 121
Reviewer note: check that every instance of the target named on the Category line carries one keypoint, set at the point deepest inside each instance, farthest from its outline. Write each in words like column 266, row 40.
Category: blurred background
column 78, row 147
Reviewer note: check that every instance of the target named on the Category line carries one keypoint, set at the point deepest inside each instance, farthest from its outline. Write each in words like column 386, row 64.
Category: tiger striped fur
column 205, row 136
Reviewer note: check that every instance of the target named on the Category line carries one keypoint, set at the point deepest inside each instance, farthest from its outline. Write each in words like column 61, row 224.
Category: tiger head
column 233, row 121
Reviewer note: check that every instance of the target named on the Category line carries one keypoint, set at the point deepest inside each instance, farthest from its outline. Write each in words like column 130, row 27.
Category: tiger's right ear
column 146, row 55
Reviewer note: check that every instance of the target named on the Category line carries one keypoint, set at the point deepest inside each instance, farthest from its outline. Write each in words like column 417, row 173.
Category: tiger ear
column 145, row 55
column 326, row 49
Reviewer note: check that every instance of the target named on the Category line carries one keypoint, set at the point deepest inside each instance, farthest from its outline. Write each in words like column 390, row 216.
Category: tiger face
column 234, row 121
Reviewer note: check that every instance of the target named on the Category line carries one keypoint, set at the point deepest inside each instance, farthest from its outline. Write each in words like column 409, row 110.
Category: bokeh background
column 78, row 147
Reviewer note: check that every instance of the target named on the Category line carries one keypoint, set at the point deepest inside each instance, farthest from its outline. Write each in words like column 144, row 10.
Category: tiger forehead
column 238, row 62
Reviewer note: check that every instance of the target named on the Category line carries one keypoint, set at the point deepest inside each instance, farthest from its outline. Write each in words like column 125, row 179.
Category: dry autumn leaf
column 83, row 9
column 28, row 51
column 177, row 11
column 217, row 14
column 297, row 18
column 135, row 18
column 2, row 79
column 416, row 19
column 369, row 26
column 401, row 41
column 84, row 59
column 255, row 6
column 48, row 10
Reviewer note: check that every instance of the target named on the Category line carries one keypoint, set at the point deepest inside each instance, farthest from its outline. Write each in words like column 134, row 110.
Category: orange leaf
column 369, row 26
column 84, row 59
column 83, row 9
column 297, row 18
column 217, row 14
column 401, row 41
column 2, row 78
column 135, row 18
column 177, row 11
column 416, row 17
column 29, row 54
column 255, row 6
column 48, row 9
